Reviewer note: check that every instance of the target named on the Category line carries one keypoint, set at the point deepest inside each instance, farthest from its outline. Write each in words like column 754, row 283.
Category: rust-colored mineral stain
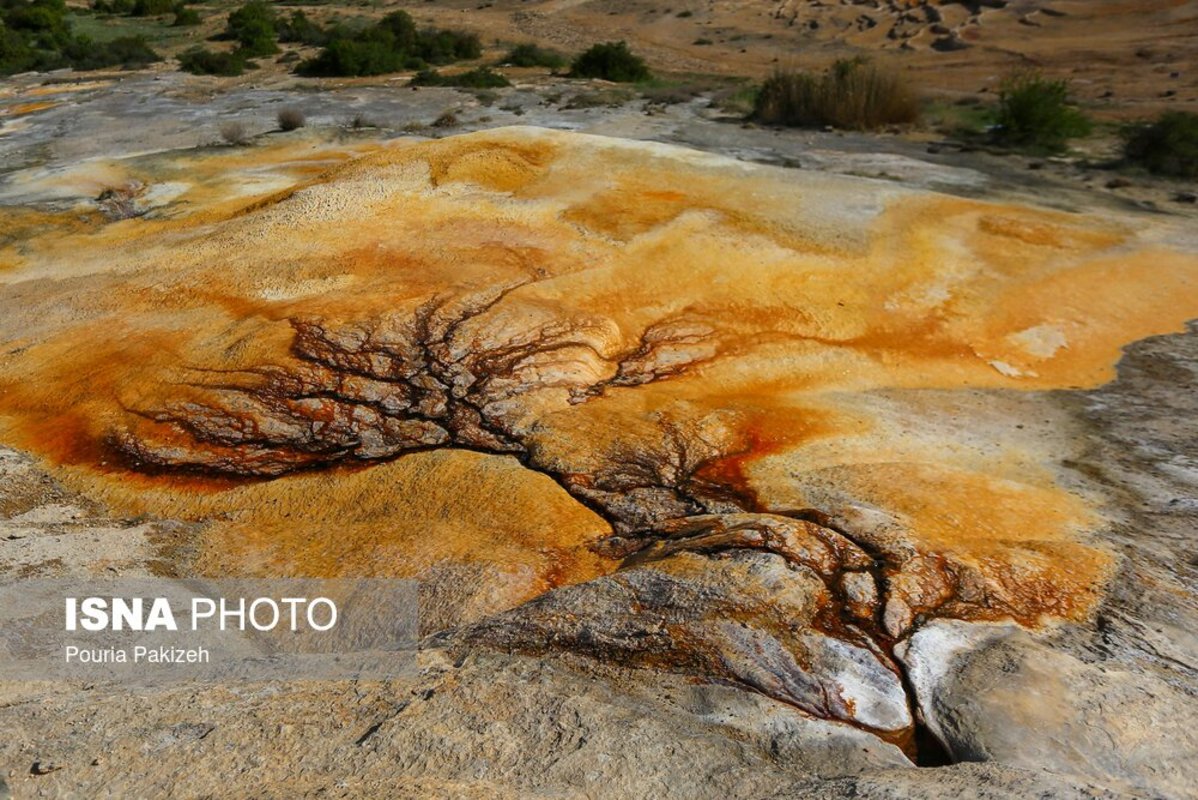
column 783, row 304
column 21, row 109
column 764, row 433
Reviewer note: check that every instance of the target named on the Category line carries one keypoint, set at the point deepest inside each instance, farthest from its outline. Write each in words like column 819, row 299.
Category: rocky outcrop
column 1001, row 695
column 776, row 605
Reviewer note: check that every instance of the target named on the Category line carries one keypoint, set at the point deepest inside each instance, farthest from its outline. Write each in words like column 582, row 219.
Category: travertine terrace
column 623, row 404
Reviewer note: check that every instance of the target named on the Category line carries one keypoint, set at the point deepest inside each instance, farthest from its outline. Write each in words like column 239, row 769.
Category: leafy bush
column 531, row 55
column 853, row 94
column 351, row 57
column 290, row 118
column 130, row 52
column 479, row 78
column 253, row 27
column 446, row 47
column 39, row 34
column 299, row 29
column 185, row 16
column 36, row 35
column 1034, row 114
column 43, row 20
column 611, row 61
column 399, row 29
column 151, row 8
column 390, row 45
column 199, row 61
column 113, row 6
column 16, row 54
column 1168, row 146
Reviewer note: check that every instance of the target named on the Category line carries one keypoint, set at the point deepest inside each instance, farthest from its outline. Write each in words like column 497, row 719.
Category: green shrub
column 390, row 45
column 151, row 8
column 253, row 27
column 1168, row 146
column 350, row 57
column 299, row 29
column 531, row 55
column 479, row 78
column 853, row 94
column 611, row 61
column 398, row 29
column 32, row 35
column 1034, row 114
column 445, row 47
column 16, row 55
column 36, row 35
column 43, row 20
column 199, row 61
column 113, row 6
column 130, row 52
column 185, row 16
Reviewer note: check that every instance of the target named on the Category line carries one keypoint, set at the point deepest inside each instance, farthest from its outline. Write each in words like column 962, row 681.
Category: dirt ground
column 1128, row 58
column 1124, row 60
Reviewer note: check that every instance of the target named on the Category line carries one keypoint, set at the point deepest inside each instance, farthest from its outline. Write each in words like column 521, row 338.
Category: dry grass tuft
column 447, row 120
column 853, row 94
column 290, row 118
column 234, row 133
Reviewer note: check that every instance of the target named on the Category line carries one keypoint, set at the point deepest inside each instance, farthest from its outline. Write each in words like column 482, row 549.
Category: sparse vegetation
column 739, row 100
column 853, row 94
column 605, row 98
column 479, row 78
column 447, row 120
column 967, row 119
column 390, row 45
column 185, row 16
column 200, row 61
column 610, row 61
column 1034, row 114
column 234, row 133
column 1168, row 146
column 531, row 55
column 668, row 95
column 290, row 118
column 37, row 35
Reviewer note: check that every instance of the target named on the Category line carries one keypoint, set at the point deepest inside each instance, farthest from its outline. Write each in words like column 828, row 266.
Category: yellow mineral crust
column 810, row 341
